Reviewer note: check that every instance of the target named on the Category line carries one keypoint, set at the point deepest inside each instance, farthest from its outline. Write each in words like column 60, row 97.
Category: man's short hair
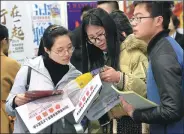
column 3, row 33
column 159, row 8
column 114, row 4
column 122, row 22
column 85, row 9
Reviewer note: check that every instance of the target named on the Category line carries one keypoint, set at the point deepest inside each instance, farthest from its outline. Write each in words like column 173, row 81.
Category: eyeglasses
column 63, row 52
column 94, row 40
column 138, row 19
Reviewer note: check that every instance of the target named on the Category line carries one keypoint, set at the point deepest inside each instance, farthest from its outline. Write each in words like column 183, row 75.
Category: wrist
column 118, row 74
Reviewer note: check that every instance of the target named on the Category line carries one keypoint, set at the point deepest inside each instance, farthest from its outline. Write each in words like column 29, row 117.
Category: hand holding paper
column 110, row 75
column 41, row 113
column 110, row 97
column 21, row 99
column 127, row 107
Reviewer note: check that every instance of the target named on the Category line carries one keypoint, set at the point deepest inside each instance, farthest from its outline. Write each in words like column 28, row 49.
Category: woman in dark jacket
column 100, row 46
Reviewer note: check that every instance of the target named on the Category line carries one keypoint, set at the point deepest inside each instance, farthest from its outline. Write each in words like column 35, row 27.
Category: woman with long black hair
column 100, row 47
column 124, row 65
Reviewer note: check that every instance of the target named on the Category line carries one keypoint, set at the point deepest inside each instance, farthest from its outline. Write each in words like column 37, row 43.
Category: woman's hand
column 110, row 75
column 21, row 99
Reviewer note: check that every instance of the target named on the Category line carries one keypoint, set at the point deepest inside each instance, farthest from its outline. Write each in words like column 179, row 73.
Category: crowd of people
column 143, row 54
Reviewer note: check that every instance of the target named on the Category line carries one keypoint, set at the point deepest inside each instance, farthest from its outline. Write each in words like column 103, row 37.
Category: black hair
column 159, row 8
column 122, row 23
column 49, row 36
column 176, row 21
column 3, row 33
column 41, row 50
column 114, row 4
column 91, row 53
column 85, row 9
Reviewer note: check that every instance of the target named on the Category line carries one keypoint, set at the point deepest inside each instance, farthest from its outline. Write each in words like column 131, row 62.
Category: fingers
column 19, row 102
column 123, row 101
column 30, row 95
column 104, row 75
column 110, row 76
column 106, row 68
column 127, row 107
column 107, row 80
column 23, row 97
column 20, row 99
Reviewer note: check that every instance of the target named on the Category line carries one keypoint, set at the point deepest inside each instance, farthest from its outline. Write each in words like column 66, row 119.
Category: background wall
column 177, row 10
column 27, row 20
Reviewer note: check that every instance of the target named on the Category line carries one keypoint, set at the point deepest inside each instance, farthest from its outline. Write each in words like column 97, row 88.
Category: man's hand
column 127, row 107
column 110, row 75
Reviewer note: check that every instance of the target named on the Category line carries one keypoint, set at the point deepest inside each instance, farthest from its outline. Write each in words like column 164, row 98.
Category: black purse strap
column 28, row 78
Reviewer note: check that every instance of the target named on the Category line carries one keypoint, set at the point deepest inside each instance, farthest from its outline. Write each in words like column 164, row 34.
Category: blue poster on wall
column 43, row 15
column 74, row 13
column 40, row 20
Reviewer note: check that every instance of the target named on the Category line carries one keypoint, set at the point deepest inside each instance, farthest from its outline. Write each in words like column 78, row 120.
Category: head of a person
column 99, row 35
column 108, row 6
column 174, row 23
column 84, row 10
column 57, row 44
column 150, row 18
column 4, row 39
column 122, row 23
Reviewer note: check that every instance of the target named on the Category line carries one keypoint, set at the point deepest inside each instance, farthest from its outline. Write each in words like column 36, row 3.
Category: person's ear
column 4, row 41
column 46, row 50
column 159, row 20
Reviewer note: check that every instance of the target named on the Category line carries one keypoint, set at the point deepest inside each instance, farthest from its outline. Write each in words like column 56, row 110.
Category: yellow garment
column 9, row 69
column 134, row 63
column 4, row 120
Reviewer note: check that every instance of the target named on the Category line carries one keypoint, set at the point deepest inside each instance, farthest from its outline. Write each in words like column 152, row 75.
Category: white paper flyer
column 107, row 99
column 88, row 95
column 43, row 112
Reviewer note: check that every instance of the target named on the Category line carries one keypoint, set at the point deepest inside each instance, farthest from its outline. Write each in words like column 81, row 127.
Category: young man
column 108, row 6
column 76, row 41
column 9, row 69
column 164, row 79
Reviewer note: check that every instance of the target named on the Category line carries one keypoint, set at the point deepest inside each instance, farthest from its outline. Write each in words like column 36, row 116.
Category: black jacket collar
column 155, row 39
